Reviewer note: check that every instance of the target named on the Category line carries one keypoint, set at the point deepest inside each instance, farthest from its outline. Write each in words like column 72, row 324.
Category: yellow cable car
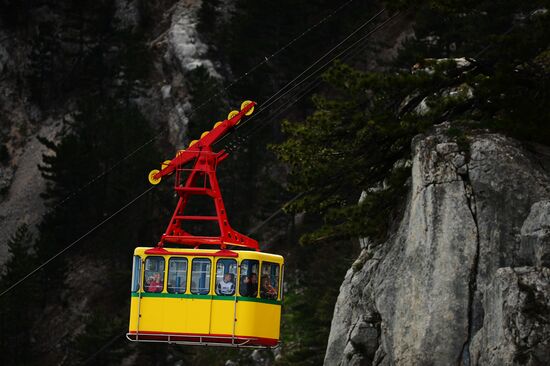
column 202, row 296
column 206, row 297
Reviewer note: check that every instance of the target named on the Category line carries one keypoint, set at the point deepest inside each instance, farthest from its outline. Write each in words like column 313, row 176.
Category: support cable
column 103, row 348
column 206, row 102
column 155, row 137
column 76, row 241
column 315, row 73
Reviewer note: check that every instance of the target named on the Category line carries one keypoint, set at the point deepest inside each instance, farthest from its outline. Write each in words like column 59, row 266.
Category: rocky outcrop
column 475, row 212
column 162, row 95
column 21, row 203
column 516, row 328
column 184, row 41
column 21, row 121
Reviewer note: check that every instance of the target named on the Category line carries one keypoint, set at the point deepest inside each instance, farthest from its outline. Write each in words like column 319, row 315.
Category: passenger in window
column 251, row 285
column 267, row 291
column 227, row 286
column 244, row 285
column 154, row 283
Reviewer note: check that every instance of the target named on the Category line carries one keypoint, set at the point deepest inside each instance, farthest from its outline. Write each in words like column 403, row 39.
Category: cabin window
column 154, row 274
column 136, row 273
column 226, row 273
column 200, row 276
column 248, row 285
column 177, row 275
column 269, row 281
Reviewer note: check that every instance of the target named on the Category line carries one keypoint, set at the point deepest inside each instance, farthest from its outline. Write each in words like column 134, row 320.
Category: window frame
column 257, row 262
column 168, row 277
column 209, row 282
column 278, row 287
column 136, row 274
column 235, row 276
column 281, row 283
column 162, row 277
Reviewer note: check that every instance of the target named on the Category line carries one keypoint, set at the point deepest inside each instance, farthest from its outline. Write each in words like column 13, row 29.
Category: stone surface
column 127, row 14
column 184, row 42
column 427, row 289
column 21, row 203
column 535, row 235
column 516, row 328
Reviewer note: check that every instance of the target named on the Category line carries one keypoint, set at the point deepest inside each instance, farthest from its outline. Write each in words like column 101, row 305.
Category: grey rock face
column 516, row 328
column 19, row 204
column 421, row 297
column 535, row 235
column 184, row 42
column 127, row 14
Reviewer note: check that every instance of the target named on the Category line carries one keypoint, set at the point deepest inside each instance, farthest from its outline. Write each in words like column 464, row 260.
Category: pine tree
column 356, row 136
column 18, row 306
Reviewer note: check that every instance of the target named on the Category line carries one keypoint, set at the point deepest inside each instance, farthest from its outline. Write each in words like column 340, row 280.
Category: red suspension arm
column 205, row 162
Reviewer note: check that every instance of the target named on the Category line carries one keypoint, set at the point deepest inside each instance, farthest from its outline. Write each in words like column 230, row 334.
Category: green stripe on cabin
column 207, row 297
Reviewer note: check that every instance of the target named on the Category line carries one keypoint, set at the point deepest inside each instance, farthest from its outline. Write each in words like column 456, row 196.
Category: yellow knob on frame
column 244, row 105
column 232, row 114
column 154, row 181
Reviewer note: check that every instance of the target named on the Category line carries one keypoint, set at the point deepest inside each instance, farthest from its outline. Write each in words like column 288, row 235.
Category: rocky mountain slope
column 167, row 28
column 464, row 278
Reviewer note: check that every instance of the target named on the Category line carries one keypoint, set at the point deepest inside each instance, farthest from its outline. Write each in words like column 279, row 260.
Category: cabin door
column 200, row 302
column 224, row 304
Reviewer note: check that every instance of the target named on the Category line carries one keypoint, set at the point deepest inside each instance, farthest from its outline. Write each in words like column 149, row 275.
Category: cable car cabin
column 206, row 297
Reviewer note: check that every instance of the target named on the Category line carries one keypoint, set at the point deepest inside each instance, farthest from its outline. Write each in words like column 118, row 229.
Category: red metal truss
column 201, row 179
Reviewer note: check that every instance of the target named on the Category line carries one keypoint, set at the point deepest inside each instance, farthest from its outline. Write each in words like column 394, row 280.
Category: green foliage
column 96, row 344
column 17, row 308
column 101, row 134
column 209, row 17
column 78, row 50
column 353, row 140
column 312, row 289
column 20, row 258
column 350, row 144
column 358, row 137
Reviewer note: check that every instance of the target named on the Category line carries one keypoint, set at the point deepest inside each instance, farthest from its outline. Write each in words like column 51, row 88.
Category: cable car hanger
column 201, row 180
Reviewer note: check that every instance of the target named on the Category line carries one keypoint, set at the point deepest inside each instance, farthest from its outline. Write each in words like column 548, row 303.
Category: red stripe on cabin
column 219, row 253
column 204, row 338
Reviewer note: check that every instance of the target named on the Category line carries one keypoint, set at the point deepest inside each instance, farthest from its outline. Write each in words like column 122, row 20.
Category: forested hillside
column 128, row 83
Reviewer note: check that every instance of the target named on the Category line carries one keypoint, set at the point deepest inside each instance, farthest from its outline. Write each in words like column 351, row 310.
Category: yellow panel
column 133, row 314
column 192, row 315
column 178, row 314
column 152, row 313
column 199, row 316
column 258, row 319
column 222, row 316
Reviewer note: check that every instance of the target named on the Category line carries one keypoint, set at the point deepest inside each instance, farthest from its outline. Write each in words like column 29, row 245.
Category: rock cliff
column 463, row 278
column 161, row 94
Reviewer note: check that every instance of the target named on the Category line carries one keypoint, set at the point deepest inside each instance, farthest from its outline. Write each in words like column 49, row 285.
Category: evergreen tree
column 209, row 17
column 203, row 89
column 17, row 307
column 356, row 138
